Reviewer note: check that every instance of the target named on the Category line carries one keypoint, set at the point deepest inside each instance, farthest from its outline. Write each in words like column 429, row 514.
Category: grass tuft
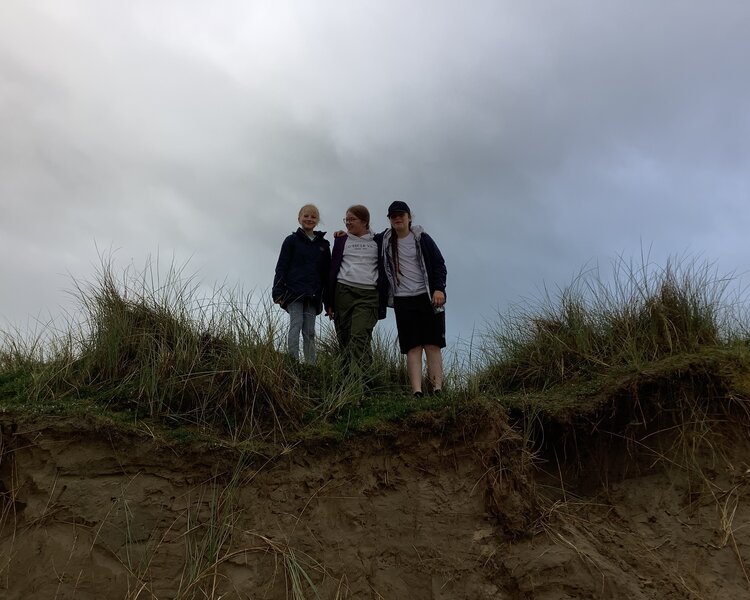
column 595, row 325
column 153, row 344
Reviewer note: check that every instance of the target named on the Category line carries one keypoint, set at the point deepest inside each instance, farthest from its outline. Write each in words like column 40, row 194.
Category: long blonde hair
column 309, row 208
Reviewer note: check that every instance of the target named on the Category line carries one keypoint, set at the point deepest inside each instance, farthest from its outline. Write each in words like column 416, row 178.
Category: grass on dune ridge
column 153, row 350
column 153, row 345
column 642, row 314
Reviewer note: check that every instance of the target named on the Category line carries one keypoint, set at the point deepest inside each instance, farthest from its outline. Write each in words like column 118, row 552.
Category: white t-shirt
column 359, row 264
column 410, row 279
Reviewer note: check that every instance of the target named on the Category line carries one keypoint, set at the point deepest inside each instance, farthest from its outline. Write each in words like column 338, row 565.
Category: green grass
column 601, row 365
column 13, row 383
column 150, row 353
column 148, row 346
column 729, row 364
column 635, row 317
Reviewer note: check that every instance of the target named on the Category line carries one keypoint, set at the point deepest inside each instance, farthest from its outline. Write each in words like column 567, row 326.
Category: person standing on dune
column 416, row 275
column 356, row 287
column 300, row 279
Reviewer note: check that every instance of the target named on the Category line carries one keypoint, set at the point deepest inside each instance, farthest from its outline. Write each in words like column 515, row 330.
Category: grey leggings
column 302, row 315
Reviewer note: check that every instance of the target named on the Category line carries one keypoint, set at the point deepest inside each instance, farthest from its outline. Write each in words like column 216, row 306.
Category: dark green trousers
column 355, row 317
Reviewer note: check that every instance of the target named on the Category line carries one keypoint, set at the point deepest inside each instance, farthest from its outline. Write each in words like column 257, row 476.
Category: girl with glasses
column 355, row 296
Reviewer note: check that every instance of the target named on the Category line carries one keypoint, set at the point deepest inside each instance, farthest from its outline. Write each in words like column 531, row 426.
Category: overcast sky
column 530, row 138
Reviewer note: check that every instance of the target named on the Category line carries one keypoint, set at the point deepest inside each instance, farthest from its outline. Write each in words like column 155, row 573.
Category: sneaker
column 418, row 394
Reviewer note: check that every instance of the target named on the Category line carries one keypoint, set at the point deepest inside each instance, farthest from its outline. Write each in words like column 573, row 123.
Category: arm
column 278, row 292
column 382, row 284
column 330, row 290
column 437, row 272
column 325, row 267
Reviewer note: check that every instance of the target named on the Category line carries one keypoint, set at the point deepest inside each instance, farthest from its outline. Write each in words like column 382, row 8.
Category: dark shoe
column 418, row 394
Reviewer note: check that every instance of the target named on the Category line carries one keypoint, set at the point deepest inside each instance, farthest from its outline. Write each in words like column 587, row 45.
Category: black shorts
column 417, row 322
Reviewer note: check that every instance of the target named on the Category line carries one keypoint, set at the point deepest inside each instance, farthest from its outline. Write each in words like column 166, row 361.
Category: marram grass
column 153, row 344
column 636, row 316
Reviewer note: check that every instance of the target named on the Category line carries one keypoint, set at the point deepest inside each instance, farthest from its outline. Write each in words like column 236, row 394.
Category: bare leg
column 414, row 368
column 434, row 366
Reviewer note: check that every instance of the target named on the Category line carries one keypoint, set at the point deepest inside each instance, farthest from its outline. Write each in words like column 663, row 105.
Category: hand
column 438, row 299
column 339, row 233
column 329, row 313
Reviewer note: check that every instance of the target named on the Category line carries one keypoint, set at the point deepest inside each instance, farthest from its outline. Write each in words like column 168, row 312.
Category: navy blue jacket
column 428, row 254
column 302, row 269
column 434, row 262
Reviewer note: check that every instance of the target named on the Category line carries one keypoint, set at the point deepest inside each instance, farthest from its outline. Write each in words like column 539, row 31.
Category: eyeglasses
column 351, row 220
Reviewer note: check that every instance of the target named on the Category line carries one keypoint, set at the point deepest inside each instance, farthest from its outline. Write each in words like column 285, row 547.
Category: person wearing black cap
column 416, row 275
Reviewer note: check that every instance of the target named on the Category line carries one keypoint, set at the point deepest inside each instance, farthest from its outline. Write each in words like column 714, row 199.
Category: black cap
column 398, row 207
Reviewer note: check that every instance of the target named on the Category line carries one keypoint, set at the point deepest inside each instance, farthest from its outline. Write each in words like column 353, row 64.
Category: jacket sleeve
column 278, row 292
column 382, row 284
column 337, row 254
column 435, row 263
column 325, row 268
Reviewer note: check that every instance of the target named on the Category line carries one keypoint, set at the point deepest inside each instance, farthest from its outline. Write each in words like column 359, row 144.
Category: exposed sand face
column 425, row 515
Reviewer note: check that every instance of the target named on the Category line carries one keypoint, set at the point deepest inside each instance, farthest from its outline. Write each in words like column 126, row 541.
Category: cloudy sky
column 530, row 138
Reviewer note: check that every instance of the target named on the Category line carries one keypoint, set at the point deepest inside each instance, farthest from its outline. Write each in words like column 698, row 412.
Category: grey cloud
column 530, row 138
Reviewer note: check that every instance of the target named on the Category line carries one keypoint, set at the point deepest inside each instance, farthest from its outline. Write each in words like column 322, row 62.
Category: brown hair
column 361, row 213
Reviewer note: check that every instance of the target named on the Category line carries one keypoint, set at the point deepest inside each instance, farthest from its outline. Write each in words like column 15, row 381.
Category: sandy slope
column 458, row 512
